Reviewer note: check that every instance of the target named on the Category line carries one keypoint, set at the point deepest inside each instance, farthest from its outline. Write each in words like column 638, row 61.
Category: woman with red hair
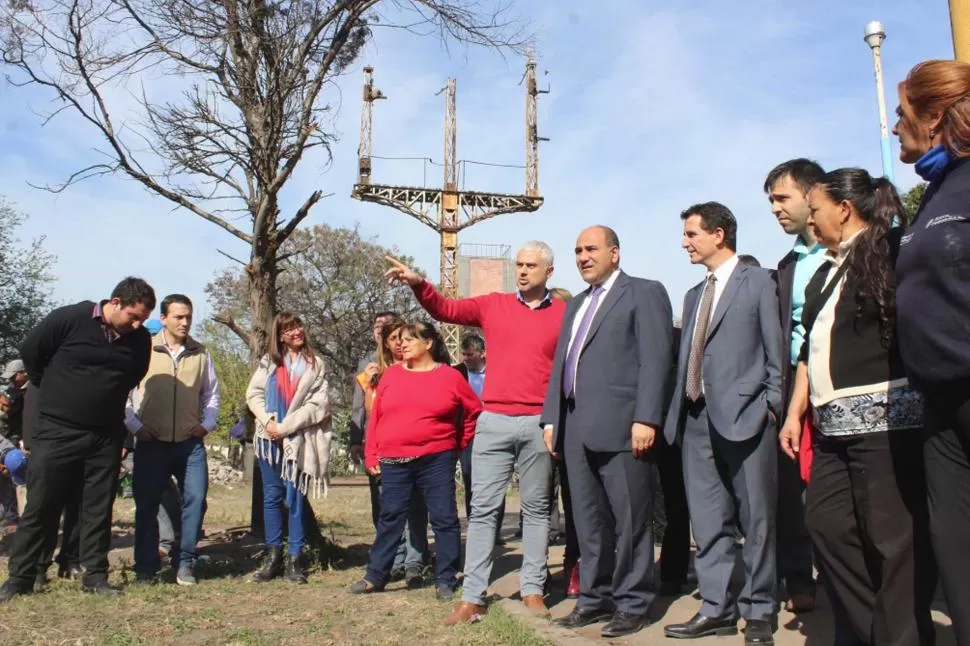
column 933, row 308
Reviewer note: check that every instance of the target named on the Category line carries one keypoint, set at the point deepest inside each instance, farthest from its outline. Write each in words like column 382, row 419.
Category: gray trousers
column 500, row 440
column 612, row 502
column 730, row 485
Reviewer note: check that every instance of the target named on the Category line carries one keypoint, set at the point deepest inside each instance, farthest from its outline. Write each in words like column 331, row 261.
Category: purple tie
column 572, row 358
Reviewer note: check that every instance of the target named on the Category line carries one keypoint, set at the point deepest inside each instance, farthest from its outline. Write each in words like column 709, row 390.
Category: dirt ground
column 225, row 608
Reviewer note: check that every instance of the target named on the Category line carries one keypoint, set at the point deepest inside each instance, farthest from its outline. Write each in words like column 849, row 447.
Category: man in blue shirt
column 473, row 358
column 787, row 186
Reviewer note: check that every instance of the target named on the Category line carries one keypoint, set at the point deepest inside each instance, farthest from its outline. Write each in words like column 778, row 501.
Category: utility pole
column 456, row 209
column 875, row 35
column 960, row 27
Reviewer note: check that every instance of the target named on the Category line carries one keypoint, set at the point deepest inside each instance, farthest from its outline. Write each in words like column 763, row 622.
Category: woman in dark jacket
column 865, row 504
column 933, row 301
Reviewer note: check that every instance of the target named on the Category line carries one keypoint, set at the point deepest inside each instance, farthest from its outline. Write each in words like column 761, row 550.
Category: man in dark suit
column 603, row 408
column 787, row 187
column 725, row 411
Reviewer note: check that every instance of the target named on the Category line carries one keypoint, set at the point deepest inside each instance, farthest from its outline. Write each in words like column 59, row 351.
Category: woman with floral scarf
column 288, row 395
column 865, row 505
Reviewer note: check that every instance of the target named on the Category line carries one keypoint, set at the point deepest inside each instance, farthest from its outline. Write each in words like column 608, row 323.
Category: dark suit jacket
column 786, row 278
column 623, row 365
column 742, row 357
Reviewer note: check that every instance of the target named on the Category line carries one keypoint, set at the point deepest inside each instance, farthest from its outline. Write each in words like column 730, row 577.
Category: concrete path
column 809, row 629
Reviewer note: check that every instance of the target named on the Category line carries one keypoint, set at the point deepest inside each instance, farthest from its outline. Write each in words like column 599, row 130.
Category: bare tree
column 255, row 73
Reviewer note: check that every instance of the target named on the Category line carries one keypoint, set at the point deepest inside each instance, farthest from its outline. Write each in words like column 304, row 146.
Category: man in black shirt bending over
column 84, row 359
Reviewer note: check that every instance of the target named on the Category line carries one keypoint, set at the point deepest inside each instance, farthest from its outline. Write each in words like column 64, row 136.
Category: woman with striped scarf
column 289, row 397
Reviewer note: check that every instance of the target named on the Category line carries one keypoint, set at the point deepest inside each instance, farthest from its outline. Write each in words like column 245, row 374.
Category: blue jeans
column 276, row 491
column 170, row 520
column 434, row 476
column 413, row 549
column 155, row 463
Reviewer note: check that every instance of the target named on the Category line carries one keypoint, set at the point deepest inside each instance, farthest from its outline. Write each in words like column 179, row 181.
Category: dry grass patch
column 225, row 608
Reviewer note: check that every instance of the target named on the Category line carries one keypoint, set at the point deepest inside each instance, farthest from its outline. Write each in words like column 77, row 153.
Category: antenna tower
column 448, row 210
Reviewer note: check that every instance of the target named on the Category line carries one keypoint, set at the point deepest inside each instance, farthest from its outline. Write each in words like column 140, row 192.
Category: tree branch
column 300, row 215
column 244, row 264
column 230, row 322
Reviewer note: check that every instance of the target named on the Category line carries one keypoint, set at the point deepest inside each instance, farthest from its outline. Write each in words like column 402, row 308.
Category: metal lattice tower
column 455, row 209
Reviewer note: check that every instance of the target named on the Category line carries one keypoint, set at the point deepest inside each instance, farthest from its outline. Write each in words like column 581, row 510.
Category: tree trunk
column 262, row 272
column 262, row 294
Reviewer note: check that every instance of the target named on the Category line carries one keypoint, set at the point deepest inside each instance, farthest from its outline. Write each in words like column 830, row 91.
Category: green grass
column 225, row 608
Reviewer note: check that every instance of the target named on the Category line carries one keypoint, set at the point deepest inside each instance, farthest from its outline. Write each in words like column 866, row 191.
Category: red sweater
column 415, row 414
column 521, row 344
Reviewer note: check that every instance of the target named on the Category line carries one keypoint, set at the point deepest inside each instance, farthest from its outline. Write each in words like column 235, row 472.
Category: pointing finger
column 394, row 261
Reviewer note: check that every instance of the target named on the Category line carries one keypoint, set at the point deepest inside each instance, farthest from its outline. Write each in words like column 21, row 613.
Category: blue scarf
column 276, row 403
column 933, row 164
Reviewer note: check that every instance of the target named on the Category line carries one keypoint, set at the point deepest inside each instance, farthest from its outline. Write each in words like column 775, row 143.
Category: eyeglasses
column 292, row 331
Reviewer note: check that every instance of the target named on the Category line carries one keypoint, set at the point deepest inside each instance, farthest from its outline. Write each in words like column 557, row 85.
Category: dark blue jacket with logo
column 933, row 284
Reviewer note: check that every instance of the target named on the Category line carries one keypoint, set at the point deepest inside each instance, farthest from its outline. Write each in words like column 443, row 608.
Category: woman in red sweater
column 413, row 442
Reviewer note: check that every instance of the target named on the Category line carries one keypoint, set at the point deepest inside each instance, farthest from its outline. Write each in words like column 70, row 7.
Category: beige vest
column 170, row 394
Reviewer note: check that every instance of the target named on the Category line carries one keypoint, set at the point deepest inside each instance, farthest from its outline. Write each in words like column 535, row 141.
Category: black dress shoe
column 701, row 626
column 625, row 623
column 758, row 632
column 102, row 589
column 9, row 590
column 579, row 618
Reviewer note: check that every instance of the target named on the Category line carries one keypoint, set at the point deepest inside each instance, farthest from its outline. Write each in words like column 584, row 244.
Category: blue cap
column 16, row 462
column 154, row 326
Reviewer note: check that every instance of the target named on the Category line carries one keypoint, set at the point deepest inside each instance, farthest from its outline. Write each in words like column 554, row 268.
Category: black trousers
column 946, row 453
column 63, row 459
column 795, row 558
column 70, row 552
column 866, row 513
column 675, row 550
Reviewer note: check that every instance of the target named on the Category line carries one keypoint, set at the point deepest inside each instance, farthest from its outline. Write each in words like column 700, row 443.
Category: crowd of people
column 813, row 419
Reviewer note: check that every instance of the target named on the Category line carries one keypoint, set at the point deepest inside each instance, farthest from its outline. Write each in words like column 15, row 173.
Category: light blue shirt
column 807, row 263
column 477, row 381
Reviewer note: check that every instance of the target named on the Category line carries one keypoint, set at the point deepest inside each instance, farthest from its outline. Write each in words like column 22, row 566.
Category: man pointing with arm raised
column 521, row 330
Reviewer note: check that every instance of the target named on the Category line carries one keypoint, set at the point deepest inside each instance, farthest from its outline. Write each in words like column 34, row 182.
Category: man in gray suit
column 603, row 408
column 725, row 410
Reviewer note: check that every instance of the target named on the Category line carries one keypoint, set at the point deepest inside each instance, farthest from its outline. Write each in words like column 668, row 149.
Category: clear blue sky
column 654, row 106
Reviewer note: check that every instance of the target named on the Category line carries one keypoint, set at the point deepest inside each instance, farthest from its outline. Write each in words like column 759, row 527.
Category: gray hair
column 541, row 247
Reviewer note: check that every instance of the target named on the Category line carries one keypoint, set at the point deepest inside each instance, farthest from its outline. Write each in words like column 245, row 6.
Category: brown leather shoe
column 466, row 613
column 536, row 605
